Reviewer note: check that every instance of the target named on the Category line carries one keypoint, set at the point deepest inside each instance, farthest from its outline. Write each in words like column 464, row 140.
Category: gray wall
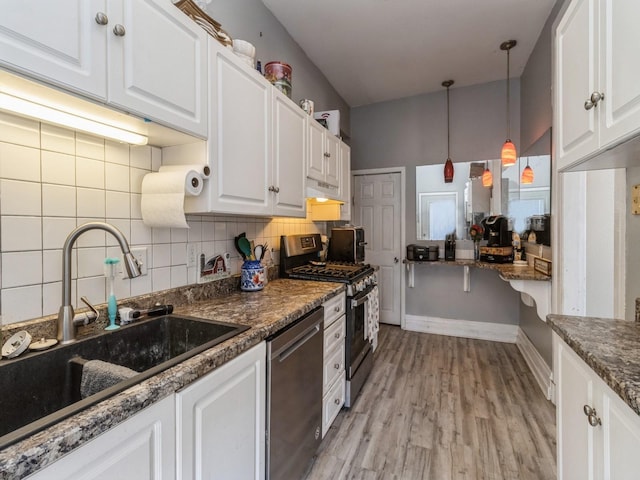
column 250, row 20
column 537, row 331
column 633, row 252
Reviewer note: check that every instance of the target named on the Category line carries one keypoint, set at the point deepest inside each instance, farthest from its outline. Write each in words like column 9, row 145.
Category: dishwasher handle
column 290, row 349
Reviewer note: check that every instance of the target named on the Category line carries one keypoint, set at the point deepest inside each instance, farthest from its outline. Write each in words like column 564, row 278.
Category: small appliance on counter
column 417, row 253
column 541, row 226
column 450, row 247
column 499, row 248
column 346, row 245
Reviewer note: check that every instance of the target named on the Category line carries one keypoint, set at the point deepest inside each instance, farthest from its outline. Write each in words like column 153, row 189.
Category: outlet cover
column 141, row 255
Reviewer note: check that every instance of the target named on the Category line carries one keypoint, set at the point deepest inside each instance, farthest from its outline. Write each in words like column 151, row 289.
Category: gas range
column 299, row 259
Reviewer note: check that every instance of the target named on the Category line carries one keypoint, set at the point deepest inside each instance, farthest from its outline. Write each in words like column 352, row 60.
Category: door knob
column 395, row 260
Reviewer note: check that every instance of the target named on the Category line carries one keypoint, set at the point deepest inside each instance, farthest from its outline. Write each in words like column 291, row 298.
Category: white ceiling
column 378, row 50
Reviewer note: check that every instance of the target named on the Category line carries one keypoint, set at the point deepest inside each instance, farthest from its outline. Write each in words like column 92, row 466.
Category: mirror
column 535, row 198
column 442, row 208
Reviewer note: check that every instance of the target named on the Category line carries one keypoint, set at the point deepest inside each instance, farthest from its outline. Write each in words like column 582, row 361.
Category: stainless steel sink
column 40, row 389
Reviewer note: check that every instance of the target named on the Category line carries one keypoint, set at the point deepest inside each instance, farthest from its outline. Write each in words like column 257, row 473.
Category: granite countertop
column 609, row 347
column 507, row 270
column 266, row 312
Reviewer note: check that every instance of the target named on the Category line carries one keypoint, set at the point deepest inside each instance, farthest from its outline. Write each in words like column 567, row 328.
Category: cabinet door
column 221, row 421
column 239, row 137
column 316, row 165
column 344, row 189
column 289, row 156
column 576, row 77
column 157, row 67
column 620, row 41
column 59, row 42
column 576, row 438
column 142, row 446
column 332, row 149
column 621, row 430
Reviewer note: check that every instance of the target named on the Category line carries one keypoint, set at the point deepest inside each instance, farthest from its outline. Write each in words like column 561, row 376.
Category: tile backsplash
column 53, row 179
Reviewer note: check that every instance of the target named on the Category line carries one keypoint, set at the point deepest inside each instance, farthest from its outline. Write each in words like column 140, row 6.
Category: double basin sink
column 40, row 389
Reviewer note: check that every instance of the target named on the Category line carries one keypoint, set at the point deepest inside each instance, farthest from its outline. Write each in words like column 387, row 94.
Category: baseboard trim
column 496, row 332
column 539, row 368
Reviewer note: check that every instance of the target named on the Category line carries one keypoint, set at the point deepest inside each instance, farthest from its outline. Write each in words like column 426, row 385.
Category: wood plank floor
column 438, row 408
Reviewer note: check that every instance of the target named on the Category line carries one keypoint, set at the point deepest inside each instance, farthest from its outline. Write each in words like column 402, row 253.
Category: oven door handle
column 359, row 301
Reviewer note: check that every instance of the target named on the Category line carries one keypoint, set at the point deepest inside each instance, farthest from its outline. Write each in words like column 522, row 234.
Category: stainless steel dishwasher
column 294, row 397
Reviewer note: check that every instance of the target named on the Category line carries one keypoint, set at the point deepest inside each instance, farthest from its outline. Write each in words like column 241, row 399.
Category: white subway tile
column 162, row 255
column 91, row 261
column 136, row 179
column 58, row 168
column 118, row 205
column 220, row 231
column 21, row 303
column 116, row 177
column 58, row 200
column 161, row 278
column 51, row 298
column 161, row 235
column 20, row 269
column 122, row 224
column 178, row 276
column 91, row 287
column 140, row 233
column 91, row 238
column 19, row 163
column 21, row 233
column 91, row 202
column 116, row 152
column 55, row 231
column 140, row 157
column 192, row 275
column 51, row 265
column 20, row 198
column 178, row 254
column 141, row 285
column 179, row 235
column 136, row 202
column 19, row 130
column 121, row 289
column 58, row 139
column 156, row 158
column 89, row 173
column 89, row 146
column 208, row 229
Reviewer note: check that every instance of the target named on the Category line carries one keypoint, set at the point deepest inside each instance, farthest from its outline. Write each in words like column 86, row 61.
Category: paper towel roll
column 203, row 170
column 163, row 195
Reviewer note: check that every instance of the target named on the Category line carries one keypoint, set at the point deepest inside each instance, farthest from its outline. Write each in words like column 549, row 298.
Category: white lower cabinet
column 221, row 421
column 600, row 446
column 333, row 386
column 142, row 446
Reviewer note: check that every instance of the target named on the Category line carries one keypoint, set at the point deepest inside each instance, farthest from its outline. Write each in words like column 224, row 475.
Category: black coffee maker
column 496, row 231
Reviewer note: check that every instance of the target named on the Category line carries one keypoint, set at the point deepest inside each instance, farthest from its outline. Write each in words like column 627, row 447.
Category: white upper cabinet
column 596, row 92
column 344, row 189
column 289, row 153
column 145, row 57
column 157, row 59
column 67, row 49
column 323, row 161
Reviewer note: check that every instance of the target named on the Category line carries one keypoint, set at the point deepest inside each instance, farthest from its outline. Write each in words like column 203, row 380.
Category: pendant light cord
column 508, row 98
column 448, row 127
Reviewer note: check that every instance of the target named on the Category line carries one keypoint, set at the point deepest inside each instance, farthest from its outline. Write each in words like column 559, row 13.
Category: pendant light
column 448, row 165
column 487, row 176
column 508, row 149
column 527, row 175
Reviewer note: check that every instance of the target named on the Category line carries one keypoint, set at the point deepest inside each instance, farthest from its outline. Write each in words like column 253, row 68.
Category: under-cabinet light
column 321, row 199
column 58, row 117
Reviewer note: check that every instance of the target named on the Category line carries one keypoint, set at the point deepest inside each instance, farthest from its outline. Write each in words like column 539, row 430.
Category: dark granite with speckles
column 610, row 347
column 267, row 311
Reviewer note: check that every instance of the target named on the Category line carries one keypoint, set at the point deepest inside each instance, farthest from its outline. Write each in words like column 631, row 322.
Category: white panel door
column 621, row 428
column 377, row 208
column 157, row 67
column 59, row 42
column 289, row 154
column 316, row 164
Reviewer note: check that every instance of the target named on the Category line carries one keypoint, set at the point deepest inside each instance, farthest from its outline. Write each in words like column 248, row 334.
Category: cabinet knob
column 336, row 366
column 596, row 97
column 101, row 18
column 336, row 309
column 327, row 154
column 588, row 105
column 336, row 335
column 592, row 416
column 336, row 401
column 274, row 189
column 119, row 30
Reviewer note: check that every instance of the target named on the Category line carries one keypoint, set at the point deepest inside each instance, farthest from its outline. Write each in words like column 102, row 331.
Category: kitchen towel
column 163, row 196
column 98, row 375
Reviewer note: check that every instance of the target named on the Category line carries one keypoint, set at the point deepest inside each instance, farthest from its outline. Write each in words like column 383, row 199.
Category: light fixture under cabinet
column 50, row 114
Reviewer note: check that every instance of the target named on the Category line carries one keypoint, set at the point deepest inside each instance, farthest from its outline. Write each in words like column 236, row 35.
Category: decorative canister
column 307, row 106
column 253, row 276
column 279, row 74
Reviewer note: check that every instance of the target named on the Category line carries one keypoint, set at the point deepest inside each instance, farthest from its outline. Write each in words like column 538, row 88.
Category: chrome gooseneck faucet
column 66, row 316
